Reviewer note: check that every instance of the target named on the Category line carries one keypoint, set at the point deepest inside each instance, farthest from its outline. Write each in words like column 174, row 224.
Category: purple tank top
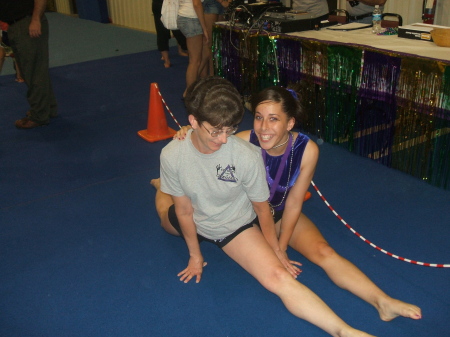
column 272, row 163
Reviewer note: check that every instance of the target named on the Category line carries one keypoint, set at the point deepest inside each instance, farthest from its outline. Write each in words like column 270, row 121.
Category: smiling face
column 271, row 125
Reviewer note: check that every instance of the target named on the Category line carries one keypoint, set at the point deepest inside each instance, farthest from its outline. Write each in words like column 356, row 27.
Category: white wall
column 443, row 13
column 135, row 14
column 411, row 10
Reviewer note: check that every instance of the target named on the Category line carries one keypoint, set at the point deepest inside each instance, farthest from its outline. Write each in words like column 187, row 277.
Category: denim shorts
column 190, row 27
column 212, row 7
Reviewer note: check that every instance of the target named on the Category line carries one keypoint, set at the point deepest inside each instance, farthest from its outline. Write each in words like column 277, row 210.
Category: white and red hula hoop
column 437, row 265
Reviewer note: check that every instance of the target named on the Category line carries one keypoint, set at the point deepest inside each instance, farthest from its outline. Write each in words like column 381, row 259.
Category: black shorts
column 220, row 242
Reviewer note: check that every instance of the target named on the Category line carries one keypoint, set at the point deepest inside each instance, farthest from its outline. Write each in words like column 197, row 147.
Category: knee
column 195, row 62
column 276, row 278
column 323, row 252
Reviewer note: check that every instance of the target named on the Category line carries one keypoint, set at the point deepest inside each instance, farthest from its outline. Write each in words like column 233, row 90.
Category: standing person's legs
column 308, row 241
column 195, row 46
column 19, row 77
column 32, row 56
column 206, row 67
column 213, row 11
column 42, row 70
column 195, row 49
column 181, row 39
column 192, row 30
column 162, row 33
column 251, row 251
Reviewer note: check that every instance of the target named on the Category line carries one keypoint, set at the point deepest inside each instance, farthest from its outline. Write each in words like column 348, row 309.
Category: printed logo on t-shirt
column 226, row 174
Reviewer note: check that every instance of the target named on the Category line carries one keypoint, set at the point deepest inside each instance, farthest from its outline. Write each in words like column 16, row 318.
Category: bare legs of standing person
column 195, row 49
column 163, row 35
column 165, row 55
column 207, row 67
column 182, row 52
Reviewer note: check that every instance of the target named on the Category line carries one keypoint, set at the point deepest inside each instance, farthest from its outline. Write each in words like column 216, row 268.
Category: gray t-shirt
column 315, row 7
column 220, row 185
column 360, row 9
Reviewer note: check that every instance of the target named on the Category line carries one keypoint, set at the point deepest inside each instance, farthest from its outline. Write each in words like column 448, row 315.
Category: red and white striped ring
column 437, row 265
column 165, row 104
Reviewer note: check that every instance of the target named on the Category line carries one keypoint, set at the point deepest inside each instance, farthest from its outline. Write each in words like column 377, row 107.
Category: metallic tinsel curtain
column 390, row 107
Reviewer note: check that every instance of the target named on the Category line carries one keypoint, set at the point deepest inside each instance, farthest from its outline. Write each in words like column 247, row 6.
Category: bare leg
column 251, row 251
column 195, row 49
column 206, row 67
column 308, row 240
column 165, row 58
column 182, row 52
column 19, row 77
column 162, row 202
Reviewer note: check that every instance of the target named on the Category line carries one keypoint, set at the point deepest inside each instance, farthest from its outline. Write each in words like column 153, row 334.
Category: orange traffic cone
column 157, row 128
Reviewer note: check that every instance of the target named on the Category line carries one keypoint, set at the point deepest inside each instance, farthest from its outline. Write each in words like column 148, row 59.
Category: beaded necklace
column 289, row 150
column 280, row 145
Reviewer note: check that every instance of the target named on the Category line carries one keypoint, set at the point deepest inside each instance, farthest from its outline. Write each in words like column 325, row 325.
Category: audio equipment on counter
column 287, row 22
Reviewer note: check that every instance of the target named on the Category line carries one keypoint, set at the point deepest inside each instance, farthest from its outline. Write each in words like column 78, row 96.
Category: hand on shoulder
column 181, row 134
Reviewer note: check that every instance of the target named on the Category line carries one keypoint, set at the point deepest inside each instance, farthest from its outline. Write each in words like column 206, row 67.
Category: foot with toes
column 393, row 308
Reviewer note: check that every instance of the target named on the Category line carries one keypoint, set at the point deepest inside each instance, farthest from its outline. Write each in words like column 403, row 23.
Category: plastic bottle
column 376, row 20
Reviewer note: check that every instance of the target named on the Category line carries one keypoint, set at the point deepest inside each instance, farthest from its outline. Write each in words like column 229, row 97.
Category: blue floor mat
column 82, row 252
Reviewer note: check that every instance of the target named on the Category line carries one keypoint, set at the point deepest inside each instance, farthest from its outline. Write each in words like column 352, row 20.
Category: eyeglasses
column 216, row 133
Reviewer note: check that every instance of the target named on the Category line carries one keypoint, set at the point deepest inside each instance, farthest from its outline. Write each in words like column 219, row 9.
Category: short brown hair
column 216, row 101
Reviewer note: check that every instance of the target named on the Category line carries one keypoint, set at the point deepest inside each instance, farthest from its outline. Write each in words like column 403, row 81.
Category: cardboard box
column 417, row 31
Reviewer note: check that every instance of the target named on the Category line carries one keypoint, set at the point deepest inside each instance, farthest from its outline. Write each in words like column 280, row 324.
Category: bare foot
column 393, row 308
column 182, row 52
column 165, row 58
column 156, row 183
